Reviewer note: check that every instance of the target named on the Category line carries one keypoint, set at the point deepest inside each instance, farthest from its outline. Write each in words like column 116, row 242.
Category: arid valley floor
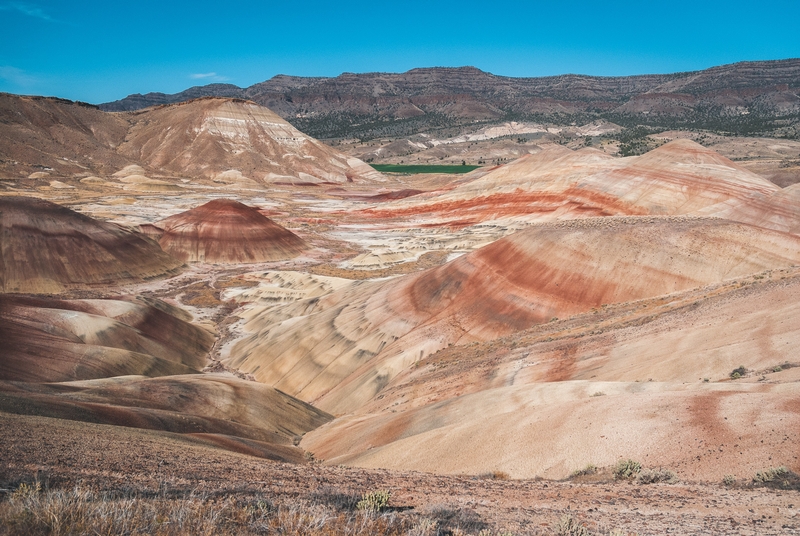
column 204, row 308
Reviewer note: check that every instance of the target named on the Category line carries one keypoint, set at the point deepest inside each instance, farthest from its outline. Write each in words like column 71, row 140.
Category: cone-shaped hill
column 224, row 230
column 208, row 136
column 45, row 247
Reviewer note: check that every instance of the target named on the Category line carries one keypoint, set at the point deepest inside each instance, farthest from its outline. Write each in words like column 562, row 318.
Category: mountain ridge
column 753, row 96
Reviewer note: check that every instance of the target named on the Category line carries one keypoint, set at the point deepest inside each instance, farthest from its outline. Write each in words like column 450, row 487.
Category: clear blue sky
column 100, row 51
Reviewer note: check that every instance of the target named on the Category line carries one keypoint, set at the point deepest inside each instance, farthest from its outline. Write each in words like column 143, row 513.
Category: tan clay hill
column 237, row 415
column 204, row 138
column 678, row 178
column 41, row 135
column 226, row 231
column 340, row 350
column 209, row 136
column 624, row 381
column 51, row 340
column 48, row 248
column 779, row 210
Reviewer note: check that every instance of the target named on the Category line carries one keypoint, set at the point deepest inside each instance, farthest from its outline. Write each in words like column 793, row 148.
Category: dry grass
column 777, row 478
column 31, row 511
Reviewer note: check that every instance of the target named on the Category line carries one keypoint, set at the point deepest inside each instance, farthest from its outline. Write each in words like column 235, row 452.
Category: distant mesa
column 49, row 248
column 225, row 231
column 341, row 350
column 365, row 105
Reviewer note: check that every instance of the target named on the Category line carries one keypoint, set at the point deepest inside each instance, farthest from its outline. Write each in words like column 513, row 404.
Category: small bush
column 374, row 501
column 627, row 469
column 729, row 480
column 738, row 373
column 770, row 475
column 456, row 520
column 590, row 469
column 494, row 475
column 654, row 476
column 777, row 478
column 569, row 526
column 335, row 498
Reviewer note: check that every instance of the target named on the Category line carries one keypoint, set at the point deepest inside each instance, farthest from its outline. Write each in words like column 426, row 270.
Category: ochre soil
column 66, row 453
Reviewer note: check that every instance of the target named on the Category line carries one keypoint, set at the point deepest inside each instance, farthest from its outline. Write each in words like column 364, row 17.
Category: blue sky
column 101, row 51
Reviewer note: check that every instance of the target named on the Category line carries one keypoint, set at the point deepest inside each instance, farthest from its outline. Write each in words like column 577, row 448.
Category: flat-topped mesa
column 49, row 248
column 227, row 231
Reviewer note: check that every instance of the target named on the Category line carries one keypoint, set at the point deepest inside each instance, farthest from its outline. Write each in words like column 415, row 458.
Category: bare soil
column 64, row 453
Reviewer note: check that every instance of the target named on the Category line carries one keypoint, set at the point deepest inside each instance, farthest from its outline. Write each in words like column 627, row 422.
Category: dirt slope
column 43, row 135
column 45, row 339
column 648, row 381
column 205, row 138
column 217, row 408
column 340, row 350
column 779, row 210
column 48, row 248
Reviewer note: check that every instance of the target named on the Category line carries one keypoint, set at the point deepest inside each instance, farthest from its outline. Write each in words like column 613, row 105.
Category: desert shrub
column 770, row 475
column 494, row 475
column 569, row 526
column 335, row 498
column 654, row 476
column 590, row 469
column 729, row 480
column 777, row 478
column 374, row 501
column 456, row 520
column 627, row 469
column 738, row 372
column 424, row 526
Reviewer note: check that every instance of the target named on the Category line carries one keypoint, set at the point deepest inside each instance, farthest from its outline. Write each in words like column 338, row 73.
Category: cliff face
column 741, row 97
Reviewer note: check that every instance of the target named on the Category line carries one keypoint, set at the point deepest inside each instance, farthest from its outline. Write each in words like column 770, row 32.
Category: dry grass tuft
column 31, row 511
column 777, row 478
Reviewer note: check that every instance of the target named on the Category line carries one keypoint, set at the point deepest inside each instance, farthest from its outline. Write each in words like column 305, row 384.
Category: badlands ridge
column 205, row 269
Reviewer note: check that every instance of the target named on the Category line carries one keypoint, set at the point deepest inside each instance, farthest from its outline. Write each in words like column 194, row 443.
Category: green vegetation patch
column 422, row 168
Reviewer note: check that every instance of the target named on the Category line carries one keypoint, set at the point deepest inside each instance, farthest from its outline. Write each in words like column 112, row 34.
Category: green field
column 422, row 168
